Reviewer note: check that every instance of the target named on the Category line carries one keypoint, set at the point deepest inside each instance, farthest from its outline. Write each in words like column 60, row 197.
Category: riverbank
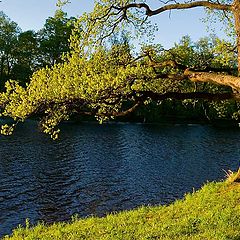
column 213, row 212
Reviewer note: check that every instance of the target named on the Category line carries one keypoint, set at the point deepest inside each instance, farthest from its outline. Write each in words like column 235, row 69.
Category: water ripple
column 93, row 170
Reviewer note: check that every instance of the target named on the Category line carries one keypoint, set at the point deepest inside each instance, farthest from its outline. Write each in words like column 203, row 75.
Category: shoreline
column 209, row 213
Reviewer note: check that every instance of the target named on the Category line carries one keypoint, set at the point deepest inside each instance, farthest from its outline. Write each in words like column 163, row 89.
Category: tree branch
column 221, row 79
column 189, row 95
column 128, row 111
column 150, row 12
column 176, row 95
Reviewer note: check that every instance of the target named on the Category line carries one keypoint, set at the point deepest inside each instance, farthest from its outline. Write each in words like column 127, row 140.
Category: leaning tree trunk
column 236, row 13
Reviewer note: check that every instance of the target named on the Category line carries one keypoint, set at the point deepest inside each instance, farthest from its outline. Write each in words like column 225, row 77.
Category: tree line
column 24, row 52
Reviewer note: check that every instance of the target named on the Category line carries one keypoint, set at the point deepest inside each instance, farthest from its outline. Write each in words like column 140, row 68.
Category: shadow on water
column 95, row 169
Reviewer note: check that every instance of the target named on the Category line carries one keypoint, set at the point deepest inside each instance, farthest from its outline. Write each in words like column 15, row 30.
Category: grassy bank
column 210, row 213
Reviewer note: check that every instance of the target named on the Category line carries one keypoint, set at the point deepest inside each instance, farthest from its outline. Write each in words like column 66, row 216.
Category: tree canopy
column 22, row 53
column 104, row 78
column 53, row 38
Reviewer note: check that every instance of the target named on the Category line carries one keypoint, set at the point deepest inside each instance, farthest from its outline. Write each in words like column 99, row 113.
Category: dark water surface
column 95, row 169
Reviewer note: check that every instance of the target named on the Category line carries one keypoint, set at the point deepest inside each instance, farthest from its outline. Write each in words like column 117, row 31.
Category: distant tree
column 22, row 53
column 26, row 54
column 9, row 31
column 54, row 38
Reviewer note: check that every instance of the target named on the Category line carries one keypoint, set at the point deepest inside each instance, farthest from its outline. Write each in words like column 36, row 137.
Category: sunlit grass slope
column 210, row 213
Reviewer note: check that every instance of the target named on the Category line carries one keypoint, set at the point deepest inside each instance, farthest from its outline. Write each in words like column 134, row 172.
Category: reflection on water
column 95, row 169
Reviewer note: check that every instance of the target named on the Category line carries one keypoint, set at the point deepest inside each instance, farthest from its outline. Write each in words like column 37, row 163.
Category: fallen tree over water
column 99, row 76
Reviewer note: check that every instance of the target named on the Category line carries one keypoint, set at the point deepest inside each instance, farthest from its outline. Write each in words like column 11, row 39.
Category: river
column 96, row 169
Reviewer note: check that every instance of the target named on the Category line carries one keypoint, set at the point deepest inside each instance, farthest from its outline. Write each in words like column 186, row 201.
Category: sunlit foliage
column 98, row 77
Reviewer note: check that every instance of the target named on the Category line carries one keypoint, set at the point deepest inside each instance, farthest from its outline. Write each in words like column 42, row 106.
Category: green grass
column 210, row 213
